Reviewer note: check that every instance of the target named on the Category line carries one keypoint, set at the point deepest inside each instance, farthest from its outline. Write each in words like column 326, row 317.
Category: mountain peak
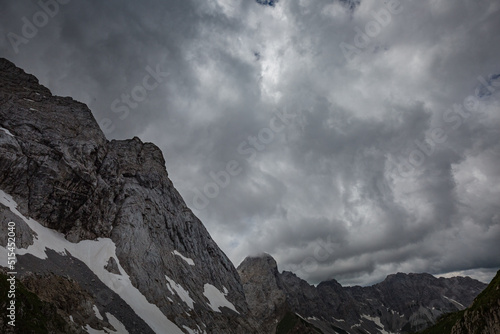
column 261, row 260
column 113, row 199
column 264, row 290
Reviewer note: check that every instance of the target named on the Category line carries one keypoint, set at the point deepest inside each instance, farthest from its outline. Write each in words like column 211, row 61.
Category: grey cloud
column 327, row 187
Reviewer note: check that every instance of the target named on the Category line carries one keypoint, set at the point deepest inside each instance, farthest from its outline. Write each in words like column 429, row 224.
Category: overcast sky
column 349, row 139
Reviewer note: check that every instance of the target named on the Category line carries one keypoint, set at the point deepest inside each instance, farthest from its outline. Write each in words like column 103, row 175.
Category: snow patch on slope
column 460, row 306
column 216, row 298
column 377, row 322
column 97, row 313
column 181, row 292
column 95, row 254
column 188, row 260
column 6, row 131
column 120, row 329
column 116, row 324
column 196, row 331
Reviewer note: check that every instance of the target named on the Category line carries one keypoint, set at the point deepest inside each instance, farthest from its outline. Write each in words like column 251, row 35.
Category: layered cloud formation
column 348, row 139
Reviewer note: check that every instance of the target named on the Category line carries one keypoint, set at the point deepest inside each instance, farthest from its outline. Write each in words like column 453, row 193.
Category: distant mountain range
column 402, row 303
column 106, row 244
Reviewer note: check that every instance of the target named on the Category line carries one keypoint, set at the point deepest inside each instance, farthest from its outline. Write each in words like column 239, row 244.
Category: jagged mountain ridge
column 402, row 303
column 61, row 171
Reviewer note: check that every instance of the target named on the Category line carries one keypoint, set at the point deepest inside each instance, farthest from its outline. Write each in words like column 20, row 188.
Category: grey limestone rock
column 23, row 234
column 112, row 266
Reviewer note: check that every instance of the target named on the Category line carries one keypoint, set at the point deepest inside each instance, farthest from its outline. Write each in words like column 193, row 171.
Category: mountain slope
column 65, row 176
column 482, row 317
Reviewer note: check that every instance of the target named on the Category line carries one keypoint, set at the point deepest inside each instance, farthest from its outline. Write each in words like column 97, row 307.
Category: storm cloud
column 348, row 139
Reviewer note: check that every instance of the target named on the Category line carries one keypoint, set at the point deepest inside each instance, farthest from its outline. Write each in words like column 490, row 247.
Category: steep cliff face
column 264, row 290
column 402, row 303
column 64, row 175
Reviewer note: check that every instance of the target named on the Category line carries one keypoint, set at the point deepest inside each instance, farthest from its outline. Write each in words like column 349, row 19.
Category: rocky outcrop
column 67, row 297
column 264, row 290
column 61, row 170
column 291, row 323
column 33, row 315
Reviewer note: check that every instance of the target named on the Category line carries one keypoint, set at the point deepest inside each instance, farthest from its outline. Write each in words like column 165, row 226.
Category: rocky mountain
column 103, row 219
column 483, row 316
column 402, row 303
column 106, row 244
column 264, row 290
